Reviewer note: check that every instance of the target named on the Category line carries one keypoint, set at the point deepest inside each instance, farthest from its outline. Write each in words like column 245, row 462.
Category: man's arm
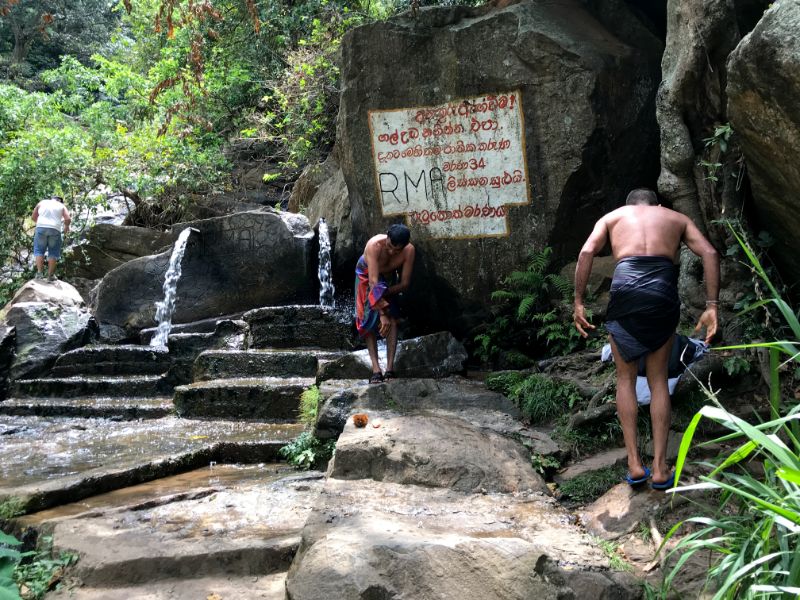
column 67, row 219
column 597, row 240
column 698, row 244
column 409, row 252
column 35, row 215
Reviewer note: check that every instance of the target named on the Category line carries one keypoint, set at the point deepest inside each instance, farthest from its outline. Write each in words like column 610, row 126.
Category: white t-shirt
column 51, row 214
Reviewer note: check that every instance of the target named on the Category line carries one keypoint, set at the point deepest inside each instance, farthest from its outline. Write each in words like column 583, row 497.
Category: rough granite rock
column 586, row 81
column 763, row 87
column 435, row 451
column 372, row 540
column 234, row 263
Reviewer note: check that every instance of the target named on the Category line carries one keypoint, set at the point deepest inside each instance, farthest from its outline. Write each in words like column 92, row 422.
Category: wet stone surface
column 56, row 460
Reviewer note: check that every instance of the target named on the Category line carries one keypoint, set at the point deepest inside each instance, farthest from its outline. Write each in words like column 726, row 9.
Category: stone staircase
column 121, row 382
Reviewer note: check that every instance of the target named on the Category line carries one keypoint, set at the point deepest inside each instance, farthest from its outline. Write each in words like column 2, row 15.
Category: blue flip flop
column 664, row 485
column 631, row 481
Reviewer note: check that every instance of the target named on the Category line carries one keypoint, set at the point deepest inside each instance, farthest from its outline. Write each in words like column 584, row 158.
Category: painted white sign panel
column 453, row 168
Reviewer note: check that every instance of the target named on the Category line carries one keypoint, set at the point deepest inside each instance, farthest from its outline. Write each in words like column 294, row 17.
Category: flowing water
column 326, row 289
column 166, row 308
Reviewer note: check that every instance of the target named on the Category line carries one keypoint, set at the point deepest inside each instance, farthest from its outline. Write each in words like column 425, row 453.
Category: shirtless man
column 377, row 309
column 643, row 311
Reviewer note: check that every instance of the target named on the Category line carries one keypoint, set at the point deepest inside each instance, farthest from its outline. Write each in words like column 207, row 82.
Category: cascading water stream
column 326, row 289
column 166, row 308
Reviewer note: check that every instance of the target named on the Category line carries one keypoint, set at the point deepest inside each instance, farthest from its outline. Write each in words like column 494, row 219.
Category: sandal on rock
column 390, row 375
column 376, row 378
column 664, row 485
column 638, row 480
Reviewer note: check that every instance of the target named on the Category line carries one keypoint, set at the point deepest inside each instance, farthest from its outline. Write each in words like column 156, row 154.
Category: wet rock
column 355, row 365
column 184, row 348
column 321, row 192
column 43, row 332
column 763, row 85
column 587, row 142
column 298, row 326
column 367, row 539
column 436, row 451
column 265, row 398
column 216, row 539
column 112, row 360
column 8, row 345
column 51, row 461
column 234, row 263
column 222, row 364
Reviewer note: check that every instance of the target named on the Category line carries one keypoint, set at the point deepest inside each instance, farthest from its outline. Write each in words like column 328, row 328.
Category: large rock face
column 557, row 104
column 763, row 87
column 108, row 246
column 234, row 263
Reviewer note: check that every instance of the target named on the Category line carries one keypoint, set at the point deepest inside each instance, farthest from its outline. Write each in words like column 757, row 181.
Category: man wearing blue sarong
column 644, row 309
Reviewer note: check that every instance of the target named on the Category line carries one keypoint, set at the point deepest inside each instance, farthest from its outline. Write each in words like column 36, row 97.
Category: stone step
column 88, row 386
column 85, row 360
column 266, row 398
column 102, row 407
column 227, row 364
column 263, row 587
column 298, row 326
column 109, row 369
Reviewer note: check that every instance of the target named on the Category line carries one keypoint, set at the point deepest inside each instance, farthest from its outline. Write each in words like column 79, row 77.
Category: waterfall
column 165, row 308
column 326, row 289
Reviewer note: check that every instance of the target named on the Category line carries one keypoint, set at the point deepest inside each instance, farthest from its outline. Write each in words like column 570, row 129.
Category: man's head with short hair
column 59, row 198
column 398, row 235
column 642, row 196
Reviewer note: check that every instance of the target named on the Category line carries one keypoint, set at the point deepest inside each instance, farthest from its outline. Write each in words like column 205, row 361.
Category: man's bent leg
column 627, row 410
column 391, row 345
column 39, row 264
column 372, row 348
column 51, row 266
column 656, row 365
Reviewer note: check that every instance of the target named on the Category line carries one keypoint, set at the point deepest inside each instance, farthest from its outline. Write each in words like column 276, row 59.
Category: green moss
column 12, row 506
column 589, row 486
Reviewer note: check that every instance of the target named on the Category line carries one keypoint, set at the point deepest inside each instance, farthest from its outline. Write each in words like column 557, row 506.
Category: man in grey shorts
column 48, row 215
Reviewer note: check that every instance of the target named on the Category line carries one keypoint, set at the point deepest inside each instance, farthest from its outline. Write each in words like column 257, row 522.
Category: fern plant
column 531, row 314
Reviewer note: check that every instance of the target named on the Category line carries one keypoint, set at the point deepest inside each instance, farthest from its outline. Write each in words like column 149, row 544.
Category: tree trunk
column 691, row 102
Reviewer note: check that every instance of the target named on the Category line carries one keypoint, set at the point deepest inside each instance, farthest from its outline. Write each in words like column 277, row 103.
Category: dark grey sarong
column 644, row 307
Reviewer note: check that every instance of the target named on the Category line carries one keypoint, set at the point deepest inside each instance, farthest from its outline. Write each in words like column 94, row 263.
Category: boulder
column 434, row 451
column 42, row 290
column 45, row 331
column 375, row 540
column 233, row 263
column 489, row 149
column 108, row 246
column 763, row 86
column 321, row 192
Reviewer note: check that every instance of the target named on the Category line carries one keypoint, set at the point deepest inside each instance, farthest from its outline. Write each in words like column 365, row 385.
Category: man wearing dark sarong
column 644, row 309
column 376, row 298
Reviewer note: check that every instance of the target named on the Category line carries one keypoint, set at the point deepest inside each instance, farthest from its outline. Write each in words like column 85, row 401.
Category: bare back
column 641, row 230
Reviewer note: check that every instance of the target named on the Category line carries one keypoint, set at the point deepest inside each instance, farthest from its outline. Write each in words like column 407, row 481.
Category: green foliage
column 611, row 550
column 11, row 507
column 36, row 570
column 580, row 441
column 542, row 398
column 309, row 406
column 753, row 532
column 589, row 486
column 532, row 312
column 504, row 382
column 715, row 146
column 306, row 451
column 736, row 365
column 544, row 464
